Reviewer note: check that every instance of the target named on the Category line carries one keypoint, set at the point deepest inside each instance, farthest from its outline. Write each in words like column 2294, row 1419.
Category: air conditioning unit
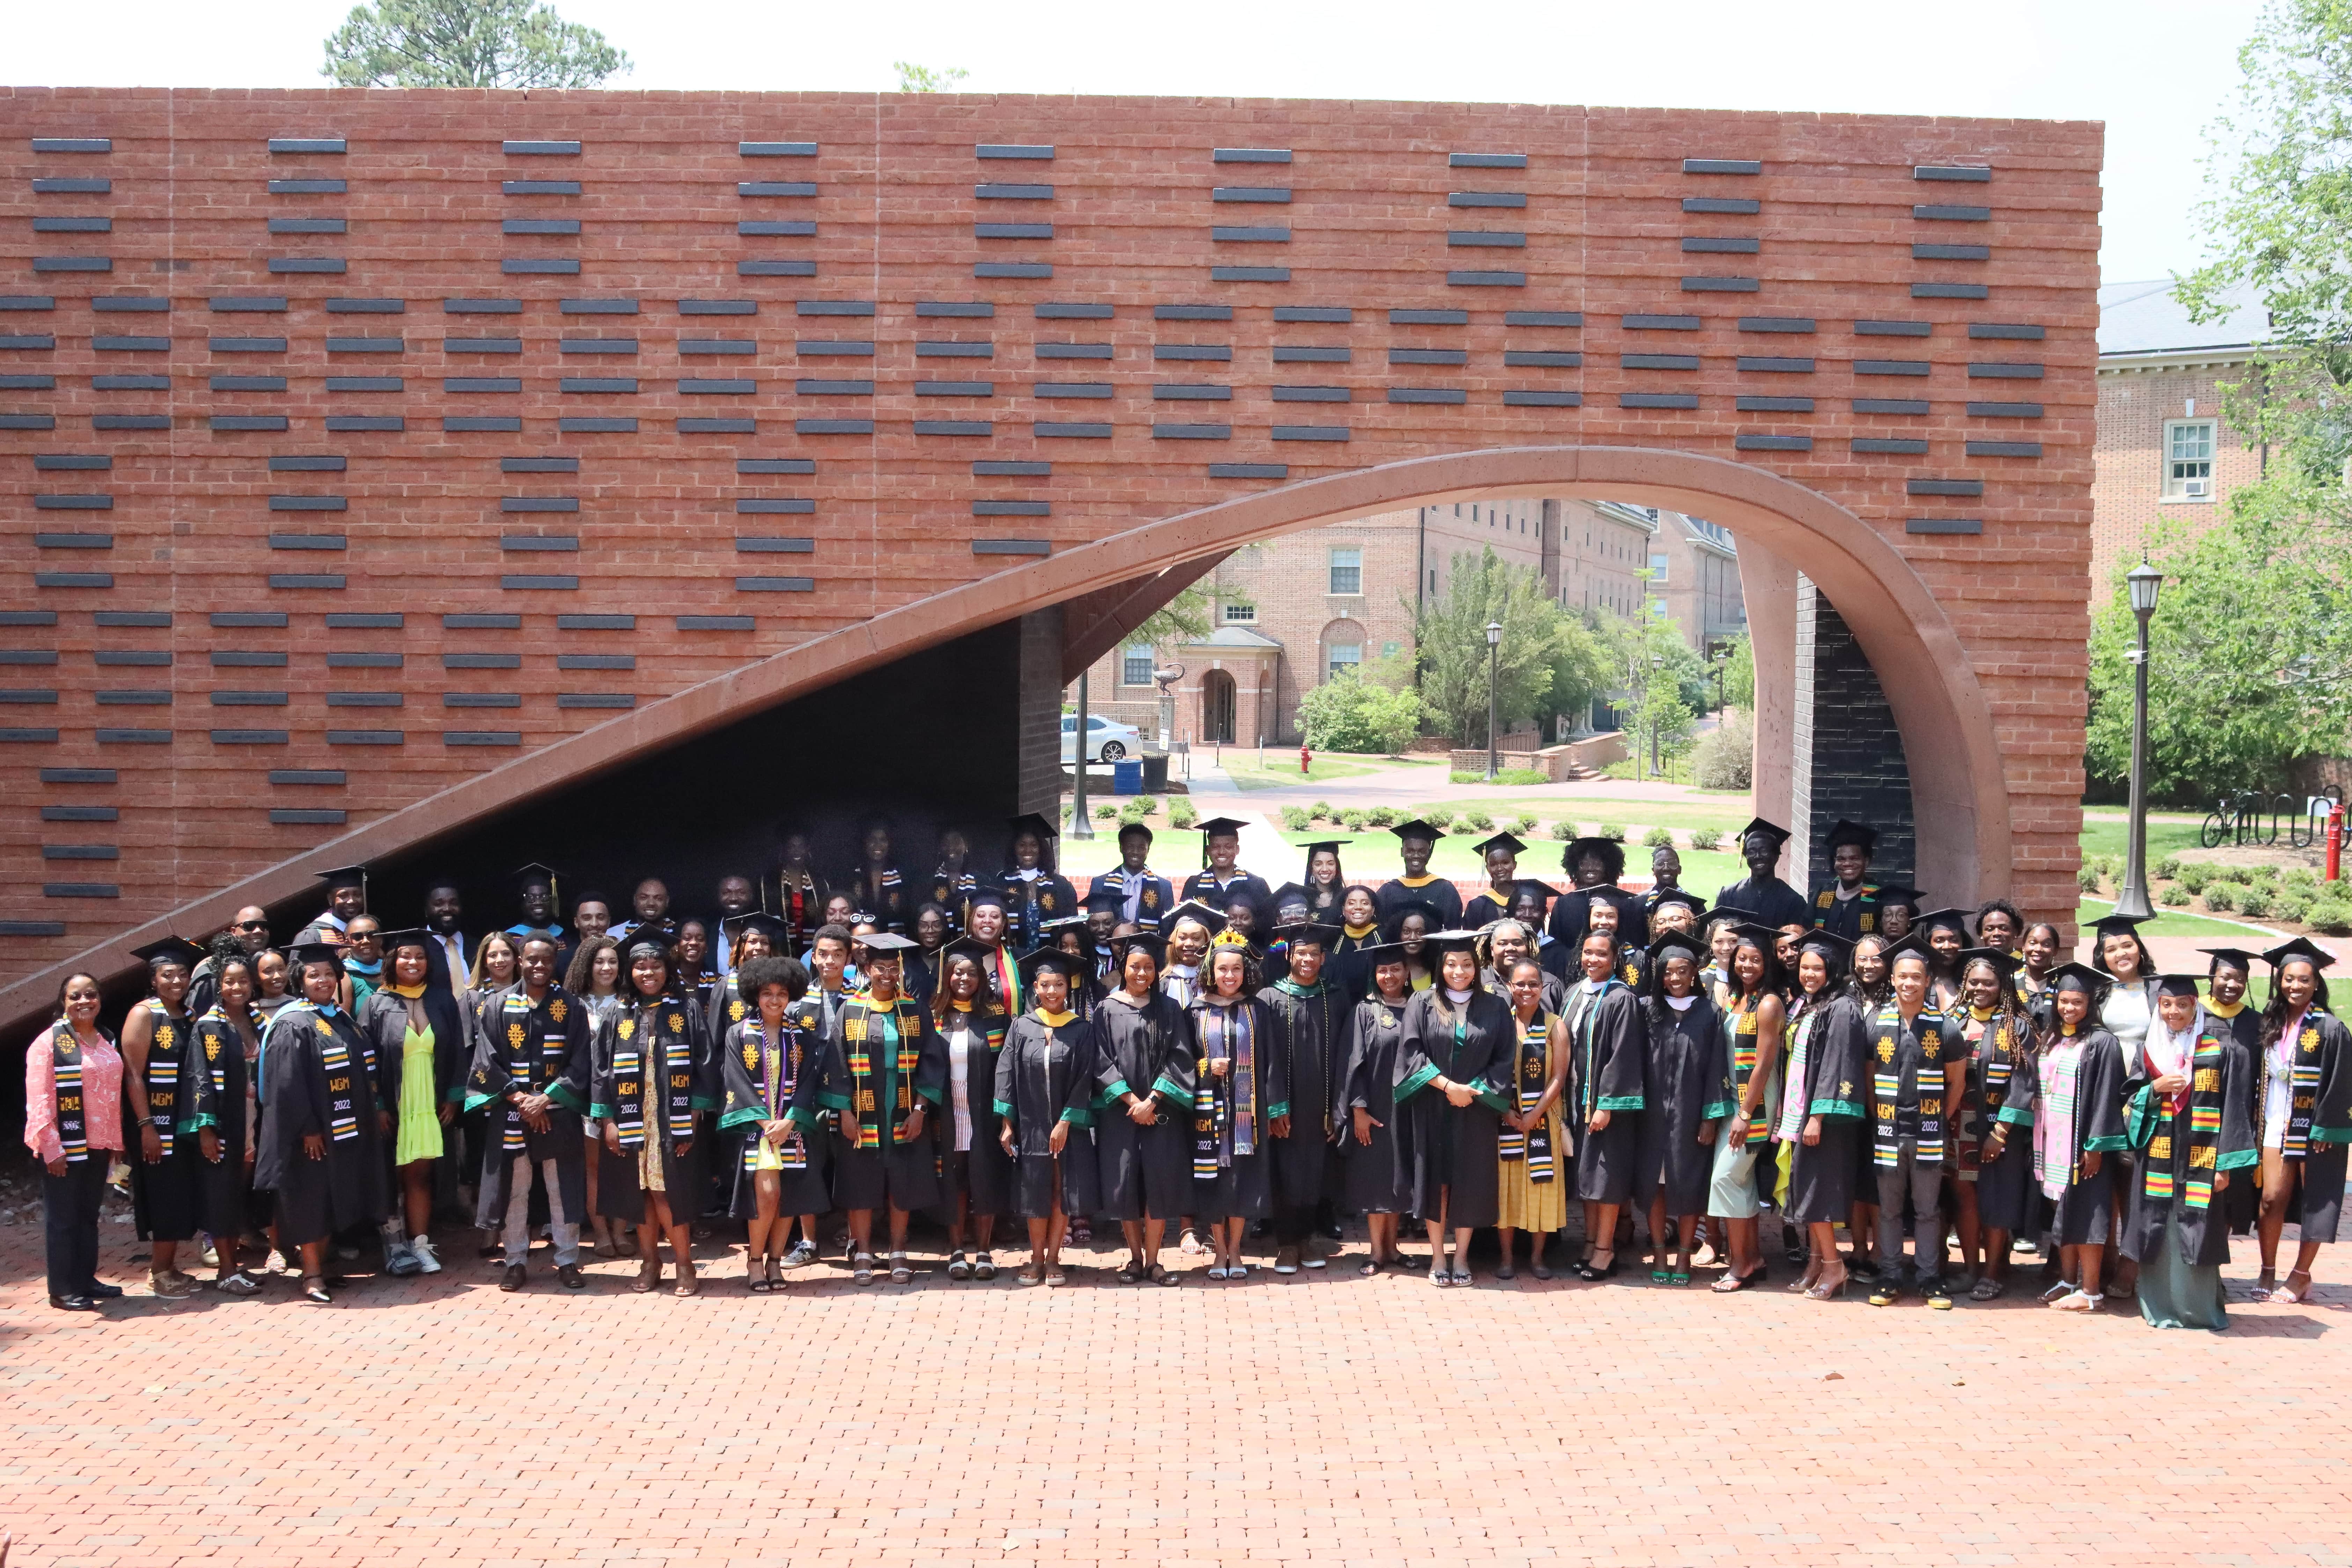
column 2194, row 489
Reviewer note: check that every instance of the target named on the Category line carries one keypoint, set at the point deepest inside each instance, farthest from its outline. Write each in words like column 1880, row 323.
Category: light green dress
column 419, row 1136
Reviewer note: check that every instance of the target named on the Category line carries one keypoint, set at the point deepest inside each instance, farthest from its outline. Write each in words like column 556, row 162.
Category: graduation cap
column 2237, row 958
column 2299, row 947
column 1444, row 942
column 1383, row 953
column 1764, row 936
column 1309, row 931
column 1772, row 830
column 1290, row 895
column 2003, row 964
column 1510, row 841
column 1139, row 940
column 759, row 921
column 1194, row 909
column 1542, row 892
column 408, row 936
column 1612, row 853
column 1893, row 894
column 1732, row 912
column 2117, row 925
column 1854, row 832
column 1955, row 918
column 1333, row 845
column 1054, row 927
column 1417, row 828
column 305, row 952
column 881, row 943
column 533, row 874
column 1914, row 941
column 2070, row 976
column 1689, row 900
column 1666, row 944
column 1102, row 899
column 176, row 949
column 1232, row 825
column 1051, row 960
column 2178, row 985
column 1836, row 948
column 969, row 947
column 990, row 894
column 1031, row 821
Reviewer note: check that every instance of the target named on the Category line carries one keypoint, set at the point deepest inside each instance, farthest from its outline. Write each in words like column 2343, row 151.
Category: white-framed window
column 1657, row 571
column 2189, row 459
column 1342, row 659
column 1135, row 666
column 1240, row 614
column 1347, row 569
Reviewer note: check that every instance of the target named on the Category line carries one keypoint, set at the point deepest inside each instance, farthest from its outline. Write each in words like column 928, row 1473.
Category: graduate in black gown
column 652, row 1076
column 1606, row 1093
column 1774, row 902
column 1454, row 1082
column 1994, row 1180
column 2226, row 1011
column 1325, row 883
column 1359, row 931
column 163, row 1176
column 975, row 1174
column 530, row 1073
column 1143, row 1106
column 323, row 1148
column 1239, row 1093
column 1416, row 841
column 1044, row 1094
column 1594, row 867
column 1819, row 1122
column 2078, row 1122
column 1850, row 904
column 1221, row 872
column 416, row 1002
column 1686, row 1093
column 1500, row 856
column 755, row 935
column 1310, row 1023
column 780, row 1171
column 1144, row 896
column 887, row 1073
column 2303, row 1113
column 877, row 887
column 217, row 1081
column 1369, row 1179
column 2192, row 1122
column 1040, row 896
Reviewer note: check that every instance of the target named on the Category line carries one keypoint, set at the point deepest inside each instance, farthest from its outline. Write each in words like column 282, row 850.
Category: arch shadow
column 1959, row 798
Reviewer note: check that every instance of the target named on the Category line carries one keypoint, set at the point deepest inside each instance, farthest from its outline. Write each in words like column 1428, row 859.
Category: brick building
column 2166, row 454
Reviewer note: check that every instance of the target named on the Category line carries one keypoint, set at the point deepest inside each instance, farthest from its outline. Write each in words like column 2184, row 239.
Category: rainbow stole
column 1531, row 1070
column 1743, row 1069
column 2305, row 1099
column 2159, row 1179
column 73, row 1131
column 1897, row 1069
column 163, row 1078
column 343, row 1101
column 899, row 1025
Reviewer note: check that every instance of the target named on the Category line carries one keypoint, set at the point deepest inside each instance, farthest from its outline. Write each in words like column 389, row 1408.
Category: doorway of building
column 1219, row 700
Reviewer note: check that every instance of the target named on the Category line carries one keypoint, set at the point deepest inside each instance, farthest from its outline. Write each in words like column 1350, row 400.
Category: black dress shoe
column 512, row 1278
column 569, row 1274
column 98, row 1292
column 73, row 1303
column 1331, row 1232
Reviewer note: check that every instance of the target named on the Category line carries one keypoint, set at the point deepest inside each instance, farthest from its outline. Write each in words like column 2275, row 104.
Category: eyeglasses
column 250, row 925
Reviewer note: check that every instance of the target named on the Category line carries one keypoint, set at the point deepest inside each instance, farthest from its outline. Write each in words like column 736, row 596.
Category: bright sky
column 2157, row 71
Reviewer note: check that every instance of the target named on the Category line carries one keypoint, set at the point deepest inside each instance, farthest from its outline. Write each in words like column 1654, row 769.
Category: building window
column 1135, row 666
column 1240, row 614
column 2189, row 459
column 1657, row 571
column 1342, row 659
column 1346, row 571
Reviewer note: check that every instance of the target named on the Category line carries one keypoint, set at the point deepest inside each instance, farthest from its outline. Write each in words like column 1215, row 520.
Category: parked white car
column 1107, row 741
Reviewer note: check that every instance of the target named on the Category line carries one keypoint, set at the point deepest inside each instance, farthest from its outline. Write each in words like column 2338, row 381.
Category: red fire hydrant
column 2335, row 842
column 1305, row 757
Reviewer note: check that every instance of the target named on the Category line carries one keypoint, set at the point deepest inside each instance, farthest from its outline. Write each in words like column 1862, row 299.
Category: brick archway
column 1961, row 797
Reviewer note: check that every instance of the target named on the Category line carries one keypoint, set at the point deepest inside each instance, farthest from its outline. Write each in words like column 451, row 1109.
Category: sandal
column 1033, row 1274
column 1462, row 1276
column 861, row 1268
column 1056, row 1278
column 2290, row 1294
column 958, row 1267
column 1729, row 1283
column 983, row 1267
column 314, row 1287
column 1825, row 1291
column 2056, row 1294
column 1217, row 1272
column 758, row 1284
column 1127, row 1273
column 1680, row 1277
column 899, row 1273
column 1593, row 1273
column 2078, row 1301
column 1160, row 1276
column 648, row 1275
column 775, row 1275
column 1986, row 1289
column 1368, row 1269
column 1440, row 1278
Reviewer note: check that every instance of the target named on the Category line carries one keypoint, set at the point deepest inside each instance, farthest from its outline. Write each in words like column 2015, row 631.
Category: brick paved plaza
column 1323, row 1418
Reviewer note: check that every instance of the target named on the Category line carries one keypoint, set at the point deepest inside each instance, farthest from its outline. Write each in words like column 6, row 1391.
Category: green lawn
column 2173, row 923
column 2110, row 839
column 1281, row 770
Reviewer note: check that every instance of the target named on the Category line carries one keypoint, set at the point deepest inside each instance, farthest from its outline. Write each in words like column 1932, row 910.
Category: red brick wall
column 2128, row 491
column 893, row 518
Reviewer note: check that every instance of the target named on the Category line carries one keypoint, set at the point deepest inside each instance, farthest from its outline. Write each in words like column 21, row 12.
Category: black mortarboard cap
column 886, row 941
column 1212, row 921
column 2076, row 977
column 1333, row 845
column 1217, row 825
column 1894, row 893
column 1040, row 960
column 1690, row 900
column 2003, row 964
column 1510, row 841
column 2235, row 957
column 1666, row 943
column 1443, row 941
column 2299, row 947
column 988, row 893
column 1764, row 936
column 1417, row 828
column 1834, row 945
column 345, row 877
column 1772, row 830
column 1527, row 886
column 176, row 949
column 1105, row 897
column 1031, row 821
column 303, row 953
column 1844, row 832
column 760, row 921
column 1309, row 931
column 969, row 947
column 1148, row 942
column 2178, row 985
column 1915, row 941
column 1955, row 918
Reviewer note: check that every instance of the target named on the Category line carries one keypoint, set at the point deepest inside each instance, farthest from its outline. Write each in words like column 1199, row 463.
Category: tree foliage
column 467, row 43
column 913, row 77
column 2249, row 663
column 1450, row 644
column 1184, row 618
column 1739, row 675
column 1350, row 713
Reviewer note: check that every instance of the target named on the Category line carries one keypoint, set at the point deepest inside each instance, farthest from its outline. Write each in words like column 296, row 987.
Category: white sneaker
column 401, row 1262
column 428, row 1260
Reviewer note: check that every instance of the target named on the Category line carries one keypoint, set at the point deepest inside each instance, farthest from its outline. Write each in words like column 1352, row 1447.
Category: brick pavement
column 1321, row 1418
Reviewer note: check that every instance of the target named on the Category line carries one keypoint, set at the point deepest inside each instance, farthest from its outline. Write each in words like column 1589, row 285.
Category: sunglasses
column 250, row 925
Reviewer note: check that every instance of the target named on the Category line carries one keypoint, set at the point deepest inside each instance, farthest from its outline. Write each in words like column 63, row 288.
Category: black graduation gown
column 1144, row 1049
column 1775, row 902
column 1323, row 902
column 2243, row 1201
column 649, row 1046
column 1483, row 908
column 1821, row 1176
column 1607, row 1066
column 756, row 1088
column 951, row 891
column 1371, row 1181
column 724, row 1006
column 1029, row 904
column 524, row 1047
column 1044, row 1075
column 1685, row 1085
column 1310, row 1030
column 213, row 1080
column 985, row 1174
column 2006, row 1083
column 2172, row 1178
column 1555, row 988
column 1571, row 917
column 2086, row 1207
column 165, row 1198
column 1239, row 1187
column 1440, row 1146
column 2322, row 1063
column 799, row 904
column 1852, row 918
column 1154, row 894
column 891, row 907
column 872, row 1166
column 1438, row 892
column 317, row 1082
column 383, row 1024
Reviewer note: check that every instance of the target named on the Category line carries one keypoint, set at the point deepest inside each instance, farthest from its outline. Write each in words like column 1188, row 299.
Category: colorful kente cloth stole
column 893, row 1032
column 1530, row 1071
column 2159, row 1179
column 1743, row 1067
column 1902, row 1073
column 163, row 1076
column 73, row 1131
column 343, row 1099
column 2304, row 1086
column 1224, row 1119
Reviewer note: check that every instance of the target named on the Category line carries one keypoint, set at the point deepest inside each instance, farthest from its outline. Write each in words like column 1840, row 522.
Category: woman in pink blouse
column 73, row 1119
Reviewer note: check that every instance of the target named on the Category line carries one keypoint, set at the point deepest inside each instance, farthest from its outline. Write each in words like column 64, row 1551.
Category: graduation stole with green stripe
column 1743, row 1067
column 658, row 1031
column 897, row 1028
column 2204, row 1133
column 65, row 1067
column 1530, row 1071
column 163, row 1076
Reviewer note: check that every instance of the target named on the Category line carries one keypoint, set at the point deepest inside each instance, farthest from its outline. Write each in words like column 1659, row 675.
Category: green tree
column 2249, row 662
column 1739, row 675
column 1349, row 713
column 1183, row 618
column 924, row 79
column 1580, row 672
column 1450, row 644
column 467, row 43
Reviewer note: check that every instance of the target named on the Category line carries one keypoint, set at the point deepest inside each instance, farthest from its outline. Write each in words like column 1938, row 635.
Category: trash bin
column 1155, row 774
column 1126, row 778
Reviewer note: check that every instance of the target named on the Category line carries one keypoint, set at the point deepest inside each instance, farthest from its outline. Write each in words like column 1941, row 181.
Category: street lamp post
column 1494, row 655
column 2131, row 898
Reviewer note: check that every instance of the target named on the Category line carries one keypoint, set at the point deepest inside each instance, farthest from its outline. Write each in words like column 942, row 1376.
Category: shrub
column 1181, row 814
column 2176, row 895
column 1295, row 818
column 1523, row 825
column 1352, row 820
column 1705, row 838
column 2168, row 868
column 1725, row 757
column 1658, row 838
column 1141, row 807
column 2222, row 896
column 2242, row 874
column 1613, row 832
column 1065, row 813
column 1563, row 830
column 1321, row 811
column 2087, row 879
column 1382, row 816
column 2332, row 914
column 2196, row 878
column 2254, row 903
column 1107, row 812
column 1481, row 821
column 1351, row 714
column 2292, row 906
column 2299, row 876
